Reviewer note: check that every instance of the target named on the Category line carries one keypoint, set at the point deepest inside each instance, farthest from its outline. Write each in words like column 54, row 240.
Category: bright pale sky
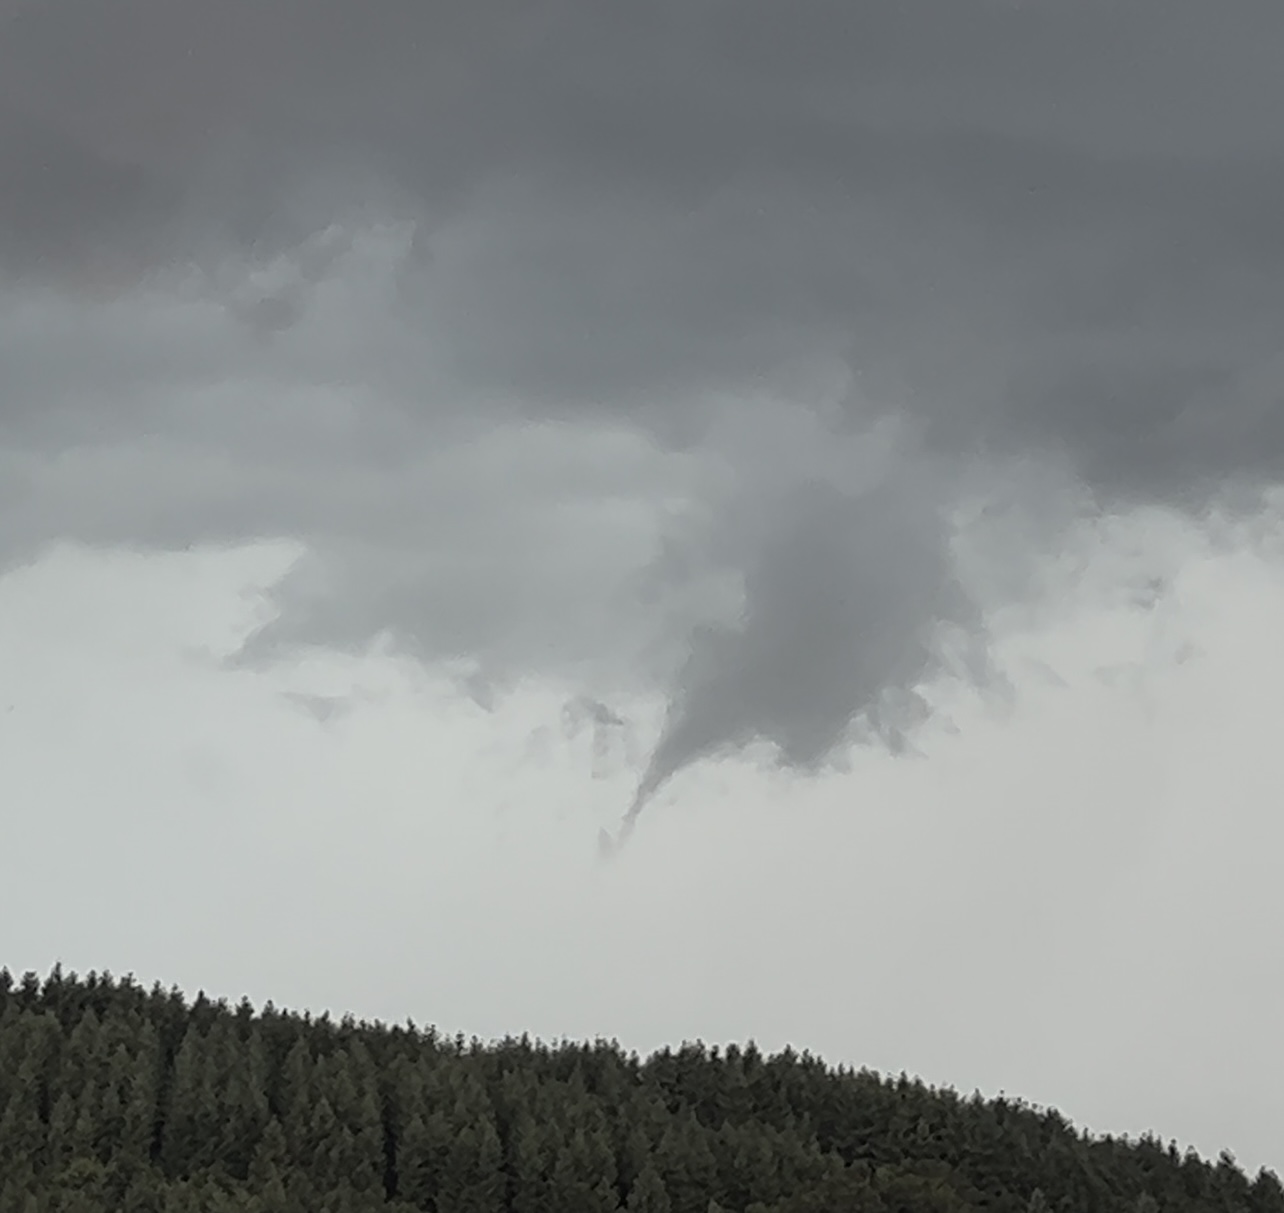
column 841, row 440
column 1071, row 894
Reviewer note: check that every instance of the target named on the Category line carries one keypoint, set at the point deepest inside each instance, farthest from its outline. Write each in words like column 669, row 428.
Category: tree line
column 118, row 1097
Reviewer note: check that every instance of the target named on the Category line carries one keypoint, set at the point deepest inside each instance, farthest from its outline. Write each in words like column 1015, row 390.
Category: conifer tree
column 473, row 1180
column 648, row 1194
column 531, row 1150
column 687, row 1165
column 22, row 1130
column 583, row 1179
column 113, row 1097
column 192, row 1116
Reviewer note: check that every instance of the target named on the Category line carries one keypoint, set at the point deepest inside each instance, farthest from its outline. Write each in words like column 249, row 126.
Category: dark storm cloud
column 491, row 305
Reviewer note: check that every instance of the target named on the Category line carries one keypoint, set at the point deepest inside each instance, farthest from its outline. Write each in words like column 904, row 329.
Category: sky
column 838, row 446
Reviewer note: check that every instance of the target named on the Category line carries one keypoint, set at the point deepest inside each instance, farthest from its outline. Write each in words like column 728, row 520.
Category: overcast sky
column 846, row 437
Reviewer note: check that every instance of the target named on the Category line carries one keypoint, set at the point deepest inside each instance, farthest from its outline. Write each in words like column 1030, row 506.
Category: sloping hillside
column 116, row 1097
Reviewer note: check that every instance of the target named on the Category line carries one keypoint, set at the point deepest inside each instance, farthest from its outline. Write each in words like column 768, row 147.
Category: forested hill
column 114, row 1097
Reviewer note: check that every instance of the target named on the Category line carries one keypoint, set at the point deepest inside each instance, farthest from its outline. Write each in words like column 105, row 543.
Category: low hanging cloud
column 649, row 350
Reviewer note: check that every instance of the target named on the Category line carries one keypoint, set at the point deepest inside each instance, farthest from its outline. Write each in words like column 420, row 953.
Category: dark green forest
column 117, row 1097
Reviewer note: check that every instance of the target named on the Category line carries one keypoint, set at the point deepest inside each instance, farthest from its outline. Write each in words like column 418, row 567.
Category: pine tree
column 361, row 1139
column 144, row 1193
column 62, row 1144
column 22, row 1131
column 270, row 1157
column 83, row 1184
column 687, row 1165
column 648, row 1194
column 423, row 1151
column 323, row 1147
column 754, row 1172
column 634, row 1149
column 192, row 1118
column 293, row 1104
column 95, row 1118
column 241, row 1095
column 531, row 1151
column 473, row 1179
column 137, row 1073
column 583, row 1179
column 18, row 1191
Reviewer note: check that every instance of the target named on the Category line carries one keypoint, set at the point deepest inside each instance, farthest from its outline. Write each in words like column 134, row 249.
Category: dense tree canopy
column 116, row 1097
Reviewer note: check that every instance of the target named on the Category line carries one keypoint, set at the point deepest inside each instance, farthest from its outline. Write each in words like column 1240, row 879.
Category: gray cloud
column 842, row 620
column 647, row 348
